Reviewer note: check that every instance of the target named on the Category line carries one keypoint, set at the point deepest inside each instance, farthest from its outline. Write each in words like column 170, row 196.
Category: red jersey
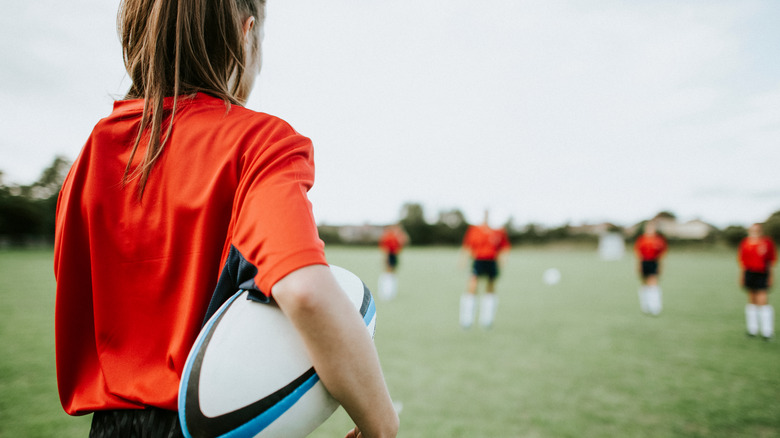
column 225, row 208
column 650, row 247
column 392, row 242
column 757, row 255
column 485, row 243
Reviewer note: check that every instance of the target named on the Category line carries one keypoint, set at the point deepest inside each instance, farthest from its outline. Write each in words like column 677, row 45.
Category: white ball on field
column 551, row 276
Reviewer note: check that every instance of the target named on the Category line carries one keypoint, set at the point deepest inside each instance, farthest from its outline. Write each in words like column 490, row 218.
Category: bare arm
column 502, row 258
column 463, row 258
column 339, row 346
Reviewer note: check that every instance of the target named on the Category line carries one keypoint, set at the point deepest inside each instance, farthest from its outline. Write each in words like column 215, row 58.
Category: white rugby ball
column 248, row 374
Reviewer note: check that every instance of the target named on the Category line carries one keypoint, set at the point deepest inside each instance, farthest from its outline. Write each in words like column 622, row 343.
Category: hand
column 354, row 433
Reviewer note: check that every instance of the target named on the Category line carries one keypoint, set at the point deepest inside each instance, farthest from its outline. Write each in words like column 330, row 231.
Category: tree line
column 27, row 214
column 451, row 225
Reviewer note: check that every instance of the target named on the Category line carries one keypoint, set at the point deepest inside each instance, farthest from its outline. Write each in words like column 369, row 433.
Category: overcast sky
column 546, row 111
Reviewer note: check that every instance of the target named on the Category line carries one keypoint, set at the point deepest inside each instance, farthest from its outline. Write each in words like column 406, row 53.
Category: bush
column 733, row 234
column 772, row 226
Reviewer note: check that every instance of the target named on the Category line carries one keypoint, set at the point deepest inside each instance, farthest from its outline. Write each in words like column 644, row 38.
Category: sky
column 543, row 111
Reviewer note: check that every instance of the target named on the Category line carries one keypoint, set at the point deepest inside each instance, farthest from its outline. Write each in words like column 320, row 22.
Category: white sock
column 467, row 302
column 654, row 300
column 393, row 283
column 487, row 309
column 767, row 317
column 386, row 286
column 751, row 319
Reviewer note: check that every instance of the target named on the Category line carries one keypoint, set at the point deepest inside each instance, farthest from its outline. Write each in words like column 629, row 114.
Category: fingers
column 354, row 433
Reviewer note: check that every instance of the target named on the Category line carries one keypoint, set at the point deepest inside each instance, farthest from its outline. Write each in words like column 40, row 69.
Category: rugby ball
column 248, row 374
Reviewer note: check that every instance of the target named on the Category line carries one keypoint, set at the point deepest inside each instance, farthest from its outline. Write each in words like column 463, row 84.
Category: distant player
column 757, row 255
column 650, row 247
column 488, row 247
column 391, row 243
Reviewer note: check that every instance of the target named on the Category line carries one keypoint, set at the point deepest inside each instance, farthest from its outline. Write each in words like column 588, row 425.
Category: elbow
column 301, row 291
column 295, row 295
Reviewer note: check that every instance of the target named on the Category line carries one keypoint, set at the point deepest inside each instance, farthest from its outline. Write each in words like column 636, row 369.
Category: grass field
column 576, row 359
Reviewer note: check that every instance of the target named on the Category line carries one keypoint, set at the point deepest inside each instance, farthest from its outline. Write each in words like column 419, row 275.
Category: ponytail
column 180, row 47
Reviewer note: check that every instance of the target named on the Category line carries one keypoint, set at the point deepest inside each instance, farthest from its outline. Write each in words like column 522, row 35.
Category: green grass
column 29, row 405
column 576, row 359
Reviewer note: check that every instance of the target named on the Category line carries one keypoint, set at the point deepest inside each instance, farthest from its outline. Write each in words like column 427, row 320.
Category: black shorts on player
column 150, row 422
column 756, row 280
column 485, row 268
column 649, row 267
column 392, row 260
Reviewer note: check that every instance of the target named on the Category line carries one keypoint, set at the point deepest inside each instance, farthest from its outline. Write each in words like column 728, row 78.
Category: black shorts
column 392, row 260
column 485, row 268
column 149, row 422
column 756, row 280
column 649, row 267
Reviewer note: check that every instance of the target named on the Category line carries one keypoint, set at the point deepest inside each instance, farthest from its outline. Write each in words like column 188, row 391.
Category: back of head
column 175, row 47
column 185, row 46
column 756, row 230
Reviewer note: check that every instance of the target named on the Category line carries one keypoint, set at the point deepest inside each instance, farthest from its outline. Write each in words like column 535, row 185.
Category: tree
column 419, row 231
column 666, row 215
column 450, row 228
column 733, row 234
column 560, row 233
column 29, row 210
column 19, row 216
column 772, row 226
column 50, row 181
column 533, row 233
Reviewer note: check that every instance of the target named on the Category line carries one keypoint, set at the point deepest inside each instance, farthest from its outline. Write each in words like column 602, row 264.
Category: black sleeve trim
column 237, row 274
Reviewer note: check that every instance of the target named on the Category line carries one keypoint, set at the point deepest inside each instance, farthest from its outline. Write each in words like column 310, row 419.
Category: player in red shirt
column 391, row 243
column 179, row 198
column 650, row 247
column 757, row 255
column 488, row 248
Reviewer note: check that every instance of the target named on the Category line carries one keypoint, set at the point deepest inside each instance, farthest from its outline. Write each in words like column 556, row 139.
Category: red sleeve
column 384, row 241
column 468, row 237
column 504, row 241
column 275, row 227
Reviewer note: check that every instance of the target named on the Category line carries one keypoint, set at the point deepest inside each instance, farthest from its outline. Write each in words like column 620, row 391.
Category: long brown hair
column 180, row 47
